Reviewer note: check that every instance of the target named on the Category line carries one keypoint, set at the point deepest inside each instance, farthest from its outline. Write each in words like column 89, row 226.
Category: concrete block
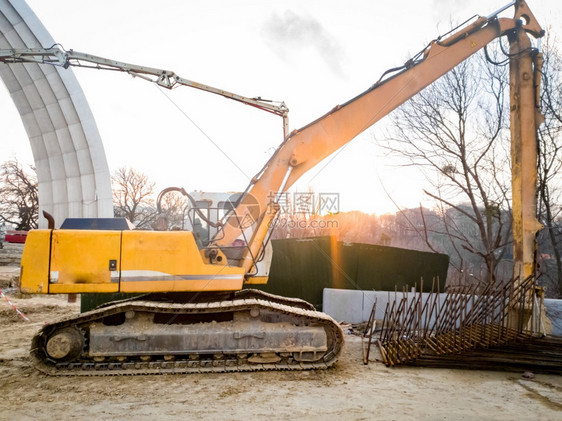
column 355, row 306
column 343, row 304
column 554, row 313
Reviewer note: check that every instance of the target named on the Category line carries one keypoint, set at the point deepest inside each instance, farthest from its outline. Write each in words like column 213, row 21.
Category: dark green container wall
column 384, row 268
column 302, row 268
column 91, row 301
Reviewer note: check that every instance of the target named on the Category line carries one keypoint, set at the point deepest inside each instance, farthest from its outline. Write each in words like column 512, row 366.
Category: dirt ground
column 350, row 391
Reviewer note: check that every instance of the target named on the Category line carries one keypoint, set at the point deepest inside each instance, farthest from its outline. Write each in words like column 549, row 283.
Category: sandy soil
column 351, row 391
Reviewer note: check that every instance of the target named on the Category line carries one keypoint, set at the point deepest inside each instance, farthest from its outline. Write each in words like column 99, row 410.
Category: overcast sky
column 310, row 54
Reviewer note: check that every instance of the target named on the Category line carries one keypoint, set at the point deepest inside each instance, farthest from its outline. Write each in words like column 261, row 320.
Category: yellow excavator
column 195, row 315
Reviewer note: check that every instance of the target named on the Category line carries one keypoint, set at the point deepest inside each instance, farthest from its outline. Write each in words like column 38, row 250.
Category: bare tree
column 550, row 166
column 19, row 200
column 455, row 132
column 133, row 197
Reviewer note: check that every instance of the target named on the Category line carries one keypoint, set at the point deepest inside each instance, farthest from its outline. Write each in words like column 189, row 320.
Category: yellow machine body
column 82, row 261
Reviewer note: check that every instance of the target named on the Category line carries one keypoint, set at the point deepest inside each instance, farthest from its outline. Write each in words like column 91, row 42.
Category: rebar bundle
column 466, row 317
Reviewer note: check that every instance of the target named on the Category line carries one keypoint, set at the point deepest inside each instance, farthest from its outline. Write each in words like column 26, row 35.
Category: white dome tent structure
column 72, row 170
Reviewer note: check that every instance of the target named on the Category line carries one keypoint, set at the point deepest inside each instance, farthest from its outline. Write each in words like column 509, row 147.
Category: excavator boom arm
column 306, row 147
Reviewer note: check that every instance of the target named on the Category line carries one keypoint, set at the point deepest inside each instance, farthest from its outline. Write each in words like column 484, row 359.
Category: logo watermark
column 296, row 210
column 315, row 224
column 247, row 214
column 306, row 202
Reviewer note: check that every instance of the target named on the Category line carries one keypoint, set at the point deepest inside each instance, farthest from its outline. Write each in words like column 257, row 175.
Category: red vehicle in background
column 15, row 237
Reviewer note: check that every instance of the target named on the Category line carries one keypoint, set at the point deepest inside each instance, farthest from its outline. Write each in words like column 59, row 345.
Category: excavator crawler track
column 146, row 337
